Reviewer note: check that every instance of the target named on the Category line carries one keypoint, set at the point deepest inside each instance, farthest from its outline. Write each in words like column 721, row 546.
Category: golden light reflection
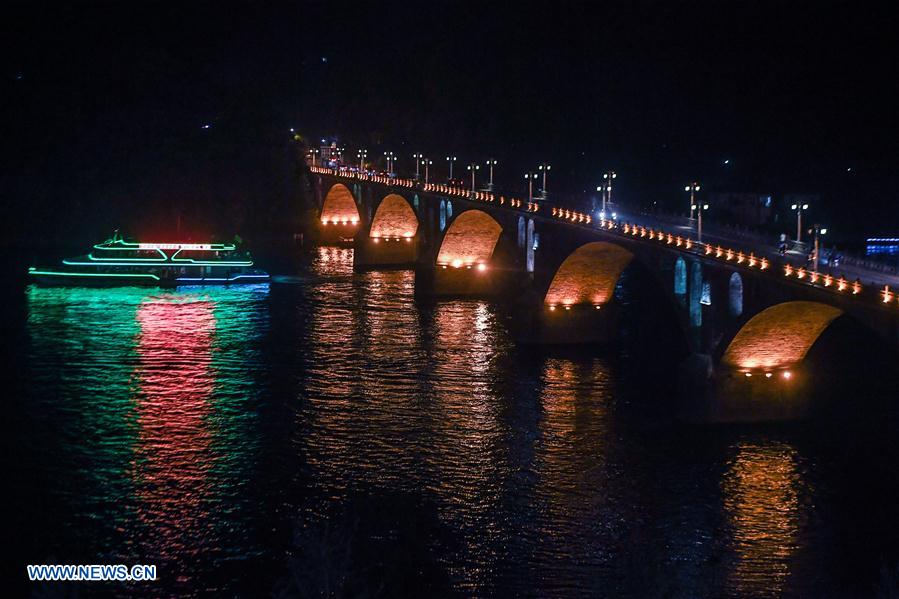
column 588, row 275
column 779, row 336
column 761, row 500
column 333, row 324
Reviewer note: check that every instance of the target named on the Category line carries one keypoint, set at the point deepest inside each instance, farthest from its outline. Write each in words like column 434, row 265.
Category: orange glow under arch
column 589, row 274
column 470, row 239
column 394, row 218
column 780, row 335
column 339, row 206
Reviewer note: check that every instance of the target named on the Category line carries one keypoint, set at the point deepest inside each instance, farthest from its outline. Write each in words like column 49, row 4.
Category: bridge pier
column 337, row 233
column 727, row 395
column 374, row 253
column 578, row 324
column 460, row 280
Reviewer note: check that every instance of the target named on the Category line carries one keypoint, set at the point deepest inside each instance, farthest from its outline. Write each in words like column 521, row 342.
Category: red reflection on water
column 175, row 381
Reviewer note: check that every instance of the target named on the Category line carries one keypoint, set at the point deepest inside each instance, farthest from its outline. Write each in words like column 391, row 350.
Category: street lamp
column 426, row 162
column 491, row 163
column 390, row 159
column 607, row 180
column 473, row 168
column 312, row 153
column 362, row 154
column 700, row 208
column 417, row 158
column 799, row 208
column 819, row 230
column 545, row 169
column 451, row 160
column 692, row 188
column 529, row 177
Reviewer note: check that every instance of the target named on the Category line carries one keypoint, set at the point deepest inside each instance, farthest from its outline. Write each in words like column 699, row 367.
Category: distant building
column 743, row 208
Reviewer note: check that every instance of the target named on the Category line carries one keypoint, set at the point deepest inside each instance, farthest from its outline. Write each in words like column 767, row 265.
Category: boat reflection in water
column 167, row 422
column 175, row 381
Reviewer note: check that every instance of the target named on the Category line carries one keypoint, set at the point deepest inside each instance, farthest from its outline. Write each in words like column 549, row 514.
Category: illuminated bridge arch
column 339, row 206
column 470, row 239
column 588, row 275
column 779, row 336
column 394, row 218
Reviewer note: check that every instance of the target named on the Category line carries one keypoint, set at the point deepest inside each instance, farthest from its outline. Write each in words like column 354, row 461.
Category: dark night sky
column 103, row 105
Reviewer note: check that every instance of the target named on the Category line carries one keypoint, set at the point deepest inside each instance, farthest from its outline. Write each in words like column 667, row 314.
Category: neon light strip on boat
column 222, row 279
column 173, row 262
column 165, row 246
column 31, row 271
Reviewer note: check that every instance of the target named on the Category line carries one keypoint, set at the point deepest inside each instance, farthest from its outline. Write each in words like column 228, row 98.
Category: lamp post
column 544, row 168
column 473, row 168
column 417, row 158
column 312, row 153
column 451, row 160
column 362, row 154
column 604, row 189
column 700, row 208
column 390, row 159
column 491, row 163
column 692, row 188
column 529, row 177
column 427, row 162
column 799, row 208
column 819, row 230
column 607, row 181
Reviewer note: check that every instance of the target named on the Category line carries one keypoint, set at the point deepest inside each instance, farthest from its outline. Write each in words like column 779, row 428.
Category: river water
column 328, row 435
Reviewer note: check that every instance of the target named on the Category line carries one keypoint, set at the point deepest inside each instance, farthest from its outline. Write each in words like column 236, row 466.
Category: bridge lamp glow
column 482, row 267
column 748, row 375
column 768, row 375
column 456, row 263
column 787, row 374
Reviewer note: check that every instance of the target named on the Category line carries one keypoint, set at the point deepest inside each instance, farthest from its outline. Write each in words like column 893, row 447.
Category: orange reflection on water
column 762, row 504
column 171, row 462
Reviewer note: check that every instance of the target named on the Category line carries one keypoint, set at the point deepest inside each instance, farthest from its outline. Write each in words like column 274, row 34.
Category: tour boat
column 120, row 262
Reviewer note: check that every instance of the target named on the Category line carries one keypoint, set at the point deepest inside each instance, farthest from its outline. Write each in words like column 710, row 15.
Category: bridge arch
column 695, row 287
column 531, row 245
column 680, row 276
column 339, row 206
column 588, row 275
column 394, row 218
column 470, row 239
column 735, row 295
column 779, row 336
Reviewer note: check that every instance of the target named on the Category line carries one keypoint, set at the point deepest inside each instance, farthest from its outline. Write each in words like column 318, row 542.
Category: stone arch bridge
column 748, row 319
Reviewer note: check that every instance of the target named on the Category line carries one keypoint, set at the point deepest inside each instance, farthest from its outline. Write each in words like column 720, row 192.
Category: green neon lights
column 174, row 262
column 33, row 271
column 158, row 247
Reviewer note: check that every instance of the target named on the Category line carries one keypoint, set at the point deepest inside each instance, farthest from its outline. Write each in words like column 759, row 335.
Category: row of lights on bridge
column 826, row 280
column 457, row 263
column 785, row 374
